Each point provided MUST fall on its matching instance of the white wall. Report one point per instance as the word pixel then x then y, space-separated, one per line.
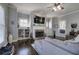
pixel 13 22
pixel 6 23
pixel 55 27
pixel 71 18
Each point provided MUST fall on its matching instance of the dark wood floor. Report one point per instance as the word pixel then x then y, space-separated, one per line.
pixel 21 48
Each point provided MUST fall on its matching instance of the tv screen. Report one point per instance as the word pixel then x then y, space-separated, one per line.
pixel 39 20
pixel 62 31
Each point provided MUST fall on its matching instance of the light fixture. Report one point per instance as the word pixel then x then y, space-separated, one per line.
pixel 58 6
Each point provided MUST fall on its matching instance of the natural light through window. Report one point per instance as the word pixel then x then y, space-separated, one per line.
pixel 23 23
pixel 2 25
pixel 49 23
pixel 62 24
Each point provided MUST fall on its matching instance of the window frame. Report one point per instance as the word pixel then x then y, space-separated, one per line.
pixel 2 24
pixel 23 19
pixel 62 24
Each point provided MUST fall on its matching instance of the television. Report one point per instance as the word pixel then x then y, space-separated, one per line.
pixel 39 20
pixel 62 31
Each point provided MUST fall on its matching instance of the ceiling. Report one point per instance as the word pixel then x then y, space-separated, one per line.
pixel 42 8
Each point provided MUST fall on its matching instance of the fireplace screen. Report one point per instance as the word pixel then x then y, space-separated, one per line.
pixel 39 33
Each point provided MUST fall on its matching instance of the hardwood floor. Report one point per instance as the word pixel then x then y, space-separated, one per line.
pixel 25 50
pixel 22 48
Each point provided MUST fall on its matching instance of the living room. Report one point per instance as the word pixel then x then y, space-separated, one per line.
pixel 39 26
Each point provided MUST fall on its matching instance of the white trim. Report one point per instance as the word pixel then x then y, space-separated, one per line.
pixel 14 40
pixel 66 14
pixel 70 13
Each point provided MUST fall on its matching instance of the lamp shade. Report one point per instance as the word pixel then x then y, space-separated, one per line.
pixel 73 25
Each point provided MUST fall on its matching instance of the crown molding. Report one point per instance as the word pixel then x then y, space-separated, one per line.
pixel 69 13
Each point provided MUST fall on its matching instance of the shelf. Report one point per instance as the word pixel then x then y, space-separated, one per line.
pixel 23 33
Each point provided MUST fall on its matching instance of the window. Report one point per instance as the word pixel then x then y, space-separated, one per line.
pixel 2 25
pixel 49 23
pixel 62 24
pixel 23 22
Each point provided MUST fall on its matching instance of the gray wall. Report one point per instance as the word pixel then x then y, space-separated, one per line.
pixel 71 18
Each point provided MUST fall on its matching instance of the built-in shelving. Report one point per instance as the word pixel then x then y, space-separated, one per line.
pixel 23 33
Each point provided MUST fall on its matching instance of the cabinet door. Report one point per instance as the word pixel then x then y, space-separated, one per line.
pixel 20 32
pixel 26 32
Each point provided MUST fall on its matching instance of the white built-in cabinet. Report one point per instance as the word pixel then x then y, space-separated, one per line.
pixel 23 33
